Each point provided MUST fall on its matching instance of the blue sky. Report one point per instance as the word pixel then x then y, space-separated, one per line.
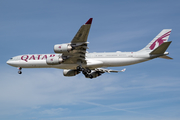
pixel 149 90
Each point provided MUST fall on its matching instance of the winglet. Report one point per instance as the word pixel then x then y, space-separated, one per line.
pixel 89 21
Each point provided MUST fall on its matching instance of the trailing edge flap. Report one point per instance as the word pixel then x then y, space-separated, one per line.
pixel 161 49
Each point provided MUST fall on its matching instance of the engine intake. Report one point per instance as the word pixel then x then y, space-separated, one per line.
pixel 54 60
pixel 62 48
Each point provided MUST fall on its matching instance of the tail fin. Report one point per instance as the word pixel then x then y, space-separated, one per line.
pixel 158 40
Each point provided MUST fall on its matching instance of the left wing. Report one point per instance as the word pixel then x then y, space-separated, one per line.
pixel 107 70
pixel 79 44
pixel 99 71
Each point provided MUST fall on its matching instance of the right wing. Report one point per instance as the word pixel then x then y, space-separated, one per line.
pixel 82 34
pixel 79 44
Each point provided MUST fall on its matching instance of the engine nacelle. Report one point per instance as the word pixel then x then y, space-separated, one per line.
pixel 54 60
pixel 95 74
pixel 70 72
pixel 62 48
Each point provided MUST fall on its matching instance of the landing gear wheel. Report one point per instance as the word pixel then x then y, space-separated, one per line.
pixel 20 72
pixel 87 75
pixel 83 70
pixel 79 68
pixel 88 70
pixel 90 76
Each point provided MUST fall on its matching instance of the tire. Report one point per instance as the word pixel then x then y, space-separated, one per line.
pixel 20 72
pixel 82 69
pixel 90 76
pixel 84 72
pixel 88 70
pixel 79 68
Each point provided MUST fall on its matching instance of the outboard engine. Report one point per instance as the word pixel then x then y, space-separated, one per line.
pixel 62 48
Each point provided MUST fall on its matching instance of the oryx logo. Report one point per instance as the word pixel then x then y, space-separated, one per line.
pixel 160 40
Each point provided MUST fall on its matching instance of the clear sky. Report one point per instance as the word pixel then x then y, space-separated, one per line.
pixel 146 91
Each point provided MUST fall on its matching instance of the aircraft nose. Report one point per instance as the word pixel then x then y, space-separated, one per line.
pixel 11 63
pixel 8 62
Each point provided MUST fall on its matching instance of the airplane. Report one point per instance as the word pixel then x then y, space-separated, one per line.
pixel 74 58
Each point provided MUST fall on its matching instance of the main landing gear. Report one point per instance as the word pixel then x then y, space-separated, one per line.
pixel 86 72
pixel 19 72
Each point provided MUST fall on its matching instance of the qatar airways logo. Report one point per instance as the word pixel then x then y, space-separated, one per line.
pixel 160 40
pixel 35 57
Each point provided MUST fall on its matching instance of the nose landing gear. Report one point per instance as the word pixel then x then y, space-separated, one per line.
pixel 20 72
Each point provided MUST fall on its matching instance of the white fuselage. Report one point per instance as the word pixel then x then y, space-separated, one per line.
pixel 94 60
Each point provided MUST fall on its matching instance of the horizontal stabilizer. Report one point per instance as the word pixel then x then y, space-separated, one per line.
pixel 166 57
pixel 161 49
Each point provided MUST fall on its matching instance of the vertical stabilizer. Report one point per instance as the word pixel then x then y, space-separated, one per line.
pixel 158 40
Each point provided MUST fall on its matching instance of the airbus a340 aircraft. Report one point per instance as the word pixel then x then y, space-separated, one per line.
pixel 73 57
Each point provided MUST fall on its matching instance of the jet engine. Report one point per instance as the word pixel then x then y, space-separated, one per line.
pixel 94 75
pixel 54 60
pixel 62 48
pixel 70 72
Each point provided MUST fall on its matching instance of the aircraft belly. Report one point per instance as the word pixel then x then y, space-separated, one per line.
pixel 65 66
